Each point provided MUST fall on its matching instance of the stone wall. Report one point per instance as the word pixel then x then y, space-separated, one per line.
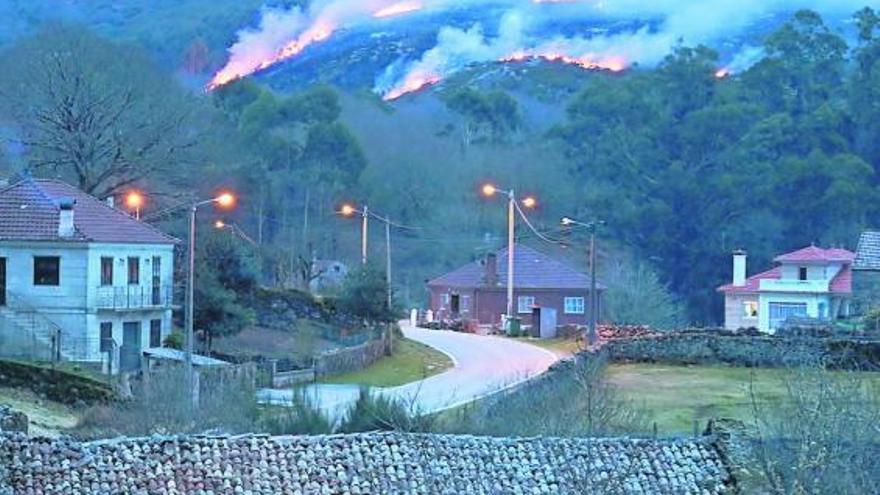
pixel 56 385
pixel 349 359
pixel 745 350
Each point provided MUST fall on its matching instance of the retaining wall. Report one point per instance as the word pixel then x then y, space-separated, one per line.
pixel 349 359
pixel 55 385
pixel 744 350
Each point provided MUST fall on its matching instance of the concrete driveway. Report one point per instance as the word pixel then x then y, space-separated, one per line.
pixel 483 365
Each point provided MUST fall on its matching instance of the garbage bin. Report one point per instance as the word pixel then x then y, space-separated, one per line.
pixel 514 326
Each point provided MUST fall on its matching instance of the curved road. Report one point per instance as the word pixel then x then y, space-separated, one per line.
pixel 483 365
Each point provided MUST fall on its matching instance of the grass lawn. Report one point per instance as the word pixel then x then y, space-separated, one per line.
pixel 560 346
pixel 410 361
pixel 47 418
pixel 674 396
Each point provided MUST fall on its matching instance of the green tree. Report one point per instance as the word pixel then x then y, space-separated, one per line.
pixel 365 295
pixel 226 277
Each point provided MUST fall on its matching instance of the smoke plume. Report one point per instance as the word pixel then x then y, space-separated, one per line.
pixel 527 29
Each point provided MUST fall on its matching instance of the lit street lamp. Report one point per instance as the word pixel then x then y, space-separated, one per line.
pixel 134 200
pixel 591 227
pixel 489 190
pixel 349 211
pixel 235 230
pixel 226 201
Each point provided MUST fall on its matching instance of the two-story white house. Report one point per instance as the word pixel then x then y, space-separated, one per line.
pixel 80 280
pixel 810 282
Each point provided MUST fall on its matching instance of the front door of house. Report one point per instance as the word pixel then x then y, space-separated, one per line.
pixel 2 281
pixel 130 353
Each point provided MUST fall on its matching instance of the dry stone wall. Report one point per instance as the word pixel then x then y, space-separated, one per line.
pixel 375 463
pixel 745 350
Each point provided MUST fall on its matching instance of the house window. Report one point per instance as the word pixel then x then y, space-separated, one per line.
pixel 781 311
pixel 802 273
pixel 574 305
pixel 47 270
pixel 465 304
pixel 106 336
pixel 444 300
pixel 155 333
pixel 524 304
pixel 106 271
pixel 750 309
pixel 134 270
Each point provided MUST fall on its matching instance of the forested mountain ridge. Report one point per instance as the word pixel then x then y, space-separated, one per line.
pixel 683 166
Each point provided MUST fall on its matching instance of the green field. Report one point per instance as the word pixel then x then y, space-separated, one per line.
pixel 410 361
pixel 675 396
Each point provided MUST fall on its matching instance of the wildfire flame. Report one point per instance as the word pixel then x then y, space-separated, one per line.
pixel 399 8
pixel 588 62
pixel 722 73
pixel 319 31
pixel 412 83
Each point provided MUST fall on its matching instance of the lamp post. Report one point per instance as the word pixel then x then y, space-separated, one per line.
pixel 591 227
pixel 365 213
pixel 490 190
pixel 224 200
pixel 235 230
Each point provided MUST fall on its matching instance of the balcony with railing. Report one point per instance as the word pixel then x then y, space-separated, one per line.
pixel 794 285
pixel 134 297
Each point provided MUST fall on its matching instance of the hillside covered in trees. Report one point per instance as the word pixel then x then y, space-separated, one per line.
pixel 684 166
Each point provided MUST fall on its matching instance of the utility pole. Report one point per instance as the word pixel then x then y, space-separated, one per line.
pixel 388 280
pixel 190 290
pixel 593 298
pixel 511 225
pixel 365 215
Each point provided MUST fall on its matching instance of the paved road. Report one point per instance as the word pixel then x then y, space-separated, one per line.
pixel 482 365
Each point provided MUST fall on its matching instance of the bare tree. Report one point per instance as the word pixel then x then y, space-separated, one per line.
pixel 93 112
pixel 822 437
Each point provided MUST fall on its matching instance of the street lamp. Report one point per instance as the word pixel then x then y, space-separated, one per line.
pixel 591 227
pixel 224 200
pixel 490 190
pixel 235 230
pixel 134 200
pixel 348 210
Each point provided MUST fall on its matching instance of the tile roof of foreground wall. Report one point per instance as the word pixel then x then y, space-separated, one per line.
pixel 365 463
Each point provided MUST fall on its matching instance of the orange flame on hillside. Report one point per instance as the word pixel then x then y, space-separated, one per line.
pixel 399 8
pixel 588 62
pixel 413 82
pixel 319 31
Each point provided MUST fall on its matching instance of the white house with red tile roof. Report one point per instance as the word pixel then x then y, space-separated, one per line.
pixel 811 282
pixel 80 280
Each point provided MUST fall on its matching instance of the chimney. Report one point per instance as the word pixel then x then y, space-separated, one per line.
pixel 739 268
pixel 491 269
pixel 111 201
pixel 65 217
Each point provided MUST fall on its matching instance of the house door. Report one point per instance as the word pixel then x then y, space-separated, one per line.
pixel 2 281
pixel 130 353
pixel 455 304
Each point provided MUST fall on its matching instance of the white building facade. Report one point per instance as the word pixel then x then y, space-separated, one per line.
pixel 81 281
pixel 810 283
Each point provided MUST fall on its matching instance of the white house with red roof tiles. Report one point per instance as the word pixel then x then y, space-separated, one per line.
pixel 80 280
pixel 811 282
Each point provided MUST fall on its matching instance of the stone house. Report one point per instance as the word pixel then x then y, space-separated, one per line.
pixel 866 273
pixel 80 280
pixel 478 290
pixel 811 282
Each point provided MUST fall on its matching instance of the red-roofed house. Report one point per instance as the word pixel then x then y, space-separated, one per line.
pixel 478 290
pixel 80 280
pixel 810 282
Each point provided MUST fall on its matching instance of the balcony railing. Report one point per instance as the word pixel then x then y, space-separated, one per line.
pixel 791 285
pixel 134 297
